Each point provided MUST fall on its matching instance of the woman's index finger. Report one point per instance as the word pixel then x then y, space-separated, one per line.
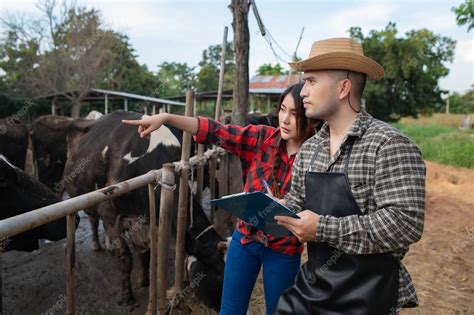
pixel 136 122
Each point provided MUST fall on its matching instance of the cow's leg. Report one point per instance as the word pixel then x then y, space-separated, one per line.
pixel 114 230
pixel 126 265
pixel 143 275
pixel 94 221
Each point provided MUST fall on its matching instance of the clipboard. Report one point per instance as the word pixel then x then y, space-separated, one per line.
pixel 257 209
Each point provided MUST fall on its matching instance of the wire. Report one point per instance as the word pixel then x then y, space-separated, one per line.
pixel 276 43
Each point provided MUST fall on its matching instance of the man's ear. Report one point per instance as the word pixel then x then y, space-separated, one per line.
pixel 345 86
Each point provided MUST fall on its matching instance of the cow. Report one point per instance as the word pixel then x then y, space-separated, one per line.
pixel 14 141
pixel 206 260
pixel 49 135
pixel 20 193
pixel 114 152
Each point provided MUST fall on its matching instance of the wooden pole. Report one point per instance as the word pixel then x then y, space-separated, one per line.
pixel 164 234
pixel 151 310
pixel 200 175
pixel 183 202
pixel 220 215
pixel 212 184
pixel 53 107
pixel 240 98
pixel 71 257
pixel 106 105
pixel 221 75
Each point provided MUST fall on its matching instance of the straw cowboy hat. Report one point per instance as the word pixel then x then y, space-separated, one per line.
pixel 339 54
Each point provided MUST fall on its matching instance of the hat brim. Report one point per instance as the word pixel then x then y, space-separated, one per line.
pixel 341 61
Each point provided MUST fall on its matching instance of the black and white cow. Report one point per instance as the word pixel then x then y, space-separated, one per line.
pixel 205 261
pixel 49 137
pixel 114 152
pixel 20 193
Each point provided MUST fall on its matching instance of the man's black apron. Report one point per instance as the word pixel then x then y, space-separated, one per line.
pixel 333 282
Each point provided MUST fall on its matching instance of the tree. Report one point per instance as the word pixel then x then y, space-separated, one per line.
pixel 268 69
pixel 465 14
pixel 461 104
pixel 413 66
pixel 65 53
pixel 240 25
pixel 209 67
pixel 175 78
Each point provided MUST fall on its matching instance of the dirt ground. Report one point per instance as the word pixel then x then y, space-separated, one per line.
pixel 441 264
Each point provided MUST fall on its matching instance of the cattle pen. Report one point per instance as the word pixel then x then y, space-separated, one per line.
pixel 166 178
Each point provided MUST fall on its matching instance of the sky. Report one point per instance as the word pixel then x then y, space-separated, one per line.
pixel 166 30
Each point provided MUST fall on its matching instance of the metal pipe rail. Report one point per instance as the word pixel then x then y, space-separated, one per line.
pixel 27 221
pixel 68 208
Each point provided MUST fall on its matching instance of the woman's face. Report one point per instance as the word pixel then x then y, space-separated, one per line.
pixel 287 118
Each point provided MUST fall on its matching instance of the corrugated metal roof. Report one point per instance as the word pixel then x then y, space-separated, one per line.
pixel 272 83
pixel 93 94
pixel 267 91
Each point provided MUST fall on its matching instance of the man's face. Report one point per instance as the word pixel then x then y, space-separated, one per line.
pixel 319 94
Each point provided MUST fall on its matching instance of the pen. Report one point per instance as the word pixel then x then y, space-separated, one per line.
pixel 265 184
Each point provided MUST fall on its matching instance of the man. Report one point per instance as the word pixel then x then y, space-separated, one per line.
pixel 362 185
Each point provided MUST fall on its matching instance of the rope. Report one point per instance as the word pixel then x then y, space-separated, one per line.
pixel 165 186
pixel 205 231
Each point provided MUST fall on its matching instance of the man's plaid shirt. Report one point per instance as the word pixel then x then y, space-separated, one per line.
pixel 256 146
pixel 387 178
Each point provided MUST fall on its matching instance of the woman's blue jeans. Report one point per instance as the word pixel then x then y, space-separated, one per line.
pixel 241 270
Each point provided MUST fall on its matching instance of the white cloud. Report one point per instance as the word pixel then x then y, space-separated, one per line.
pixel 465 51
pixel 367 15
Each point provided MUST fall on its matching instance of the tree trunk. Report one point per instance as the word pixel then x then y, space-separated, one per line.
pixel 240 10
pixel 240 104
pixel 76 109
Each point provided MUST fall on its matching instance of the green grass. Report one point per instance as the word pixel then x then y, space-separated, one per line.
pixel 442 144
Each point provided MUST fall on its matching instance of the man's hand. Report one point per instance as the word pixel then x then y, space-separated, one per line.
pixel 305 228
pixel 147 125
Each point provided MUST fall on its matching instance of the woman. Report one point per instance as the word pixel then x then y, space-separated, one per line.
pixel 266 153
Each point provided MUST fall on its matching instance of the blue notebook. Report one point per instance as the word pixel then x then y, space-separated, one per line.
pixel 257 209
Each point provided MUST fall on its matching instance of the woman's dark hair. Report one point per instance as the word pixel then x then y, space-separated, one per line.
pixel 306 128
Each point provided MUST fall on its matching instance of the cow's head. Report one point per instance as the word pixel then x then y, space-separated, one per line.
pixel 20 193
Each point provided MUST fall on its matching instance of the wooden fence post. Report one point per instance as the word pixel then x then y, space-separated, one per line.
pixel 164 233
pixel 151 309
pixel 183 202
pixel 71 261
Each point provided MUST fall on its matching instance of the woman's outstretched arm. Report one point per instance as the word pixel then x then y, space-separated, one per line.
pixel 148 124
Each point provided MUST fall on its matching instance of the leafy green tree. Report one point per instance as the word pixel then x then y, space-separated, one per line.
pixel 175 78
pixel 462 104
pixel 209 67
pixel 268 69
pixel 68 51
pixel 413 66
pixel 465 14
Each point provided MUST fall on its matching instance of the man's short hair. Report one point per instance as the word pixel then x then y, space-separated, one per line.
pixel 358 80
